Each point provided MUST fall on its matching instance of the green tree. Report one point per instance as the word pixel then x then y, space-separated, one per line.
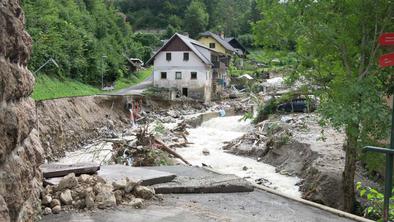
pixel 196 18
pixel 84 37
pixel 338 52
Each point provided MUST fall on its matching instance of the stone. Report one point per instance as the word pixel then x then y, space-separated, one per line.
pixel 47 211
pixel 136 203
pixel 79 204
pixel 119 184
pixel 56 209
pixel 86 179
pixel 46 200
pixel 89 200
pixel 66 197
pixel 245 168
pixel 130 185
pixel 205 151
pixel 144 192
pixel 105 197
pixel 68 182
pixel 55 202
pixel 119 196
pixel 99 179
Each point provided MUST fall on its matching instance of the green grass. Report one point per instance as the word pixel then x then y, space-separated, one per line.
pixel 134 79
pixel 51 88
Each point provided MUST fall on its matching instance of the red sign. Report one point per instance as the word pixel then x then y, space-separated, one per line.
pixel 387 39
pixel 386 60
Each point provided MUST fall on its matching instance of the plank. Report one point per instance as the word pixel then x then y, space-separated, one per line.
pixel 60 170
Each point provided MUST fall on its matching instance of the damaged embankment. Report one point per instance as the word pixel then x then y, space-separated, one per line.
pixel 69 123
pixel 66 124
pixel 295 146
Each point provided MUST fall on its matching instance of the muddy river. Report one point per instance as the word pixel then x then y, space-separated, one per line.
pixel 211 135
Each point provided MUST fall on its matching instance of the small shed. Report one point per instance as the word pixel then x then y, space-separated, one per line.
pixel 135 64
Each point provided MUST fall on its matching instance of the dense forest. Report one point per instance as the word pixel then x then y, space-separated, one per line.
pixel 234 17
pixel 90 37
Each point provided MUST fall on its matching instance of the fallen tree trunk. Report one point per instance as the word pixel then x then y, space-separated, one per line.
pixel 164 147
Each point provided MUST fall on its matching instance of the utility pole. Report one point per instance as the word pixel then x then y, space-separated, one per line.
pixel 102 71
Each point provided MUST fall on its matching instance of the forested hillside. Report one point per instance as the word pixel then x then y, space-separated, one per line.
pixel 231 16
pixel 85 37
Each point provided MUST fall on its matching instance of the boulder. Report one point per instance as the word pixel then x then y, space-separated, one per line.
pixel 66 197
pixel 130 185
pixel 85 179
pixel 136 203
pixel 47 211
pixel 119 184
pixel 68 182
pixel 55 202
pixel 119 196
pixel 56 209
pixel 105 197
pixel 89 200
pixel 46 200
pixel 144 192
pixel 205 151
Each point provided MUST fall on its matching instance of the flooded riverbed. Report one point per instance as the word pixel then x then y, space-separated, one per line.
pixel 211 135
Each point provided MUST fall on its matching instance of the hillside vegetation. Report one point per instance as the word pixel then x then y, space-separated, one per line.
pixel 86 38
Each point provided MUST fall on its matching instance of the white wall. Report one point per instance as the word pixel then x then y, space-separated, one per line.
pixel 194 64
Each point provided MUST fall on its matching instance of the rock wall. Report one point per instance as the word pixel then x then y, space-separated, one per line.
pixel 20 149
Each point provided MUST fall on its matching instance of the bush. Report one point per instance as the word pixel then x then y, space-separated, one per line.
pixel 266 110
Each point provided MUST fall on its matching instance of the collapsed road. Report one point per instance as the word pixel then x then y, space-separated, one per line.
pixel 257 205
pixel 205 142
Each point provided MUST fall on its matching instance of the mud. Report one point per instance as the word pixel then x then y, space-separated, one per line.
pixel 296 146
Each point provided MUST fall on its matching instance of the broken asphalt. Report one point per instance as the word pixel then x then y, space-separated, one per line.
pixel 257 205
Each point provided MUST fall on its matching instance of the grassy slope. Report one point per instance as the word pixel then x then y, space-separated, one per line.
pixel 51 88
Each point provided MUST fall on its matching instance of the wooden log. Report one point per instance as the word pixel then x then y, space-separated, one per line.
pixel 169 150
pixel 61 170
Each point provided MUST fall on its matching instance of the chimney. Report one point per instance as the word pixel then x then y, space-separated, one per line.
pixel 222 34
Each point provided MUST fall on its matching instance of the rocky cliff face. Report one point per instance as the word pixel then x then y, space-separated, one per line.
pixel 20 149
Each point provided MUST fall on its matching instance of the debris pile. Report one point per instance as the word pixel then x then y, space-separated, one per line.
pixel 148 149
pixel 90 192
pixel 265 137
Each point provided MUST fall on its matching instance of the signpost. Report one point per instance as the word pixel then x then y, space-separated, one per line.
pixel 386 60
pixel 387 39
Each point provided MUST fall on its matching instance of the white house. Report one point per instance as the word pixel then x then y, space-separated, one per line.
pixel 187 68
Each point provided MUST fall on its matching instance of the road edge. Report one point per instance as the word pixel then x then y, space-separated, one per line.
pixel 306 202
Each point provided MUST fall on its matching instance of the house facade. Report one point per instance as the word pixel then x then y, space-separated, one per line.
pixel 185 67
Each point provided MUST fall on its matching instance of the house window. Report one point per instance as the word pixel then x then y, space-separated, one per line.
pixel 212 45
pixel 168 56
pixel 185 56
pixel 194 75
pixel 163 75
pixel 178 75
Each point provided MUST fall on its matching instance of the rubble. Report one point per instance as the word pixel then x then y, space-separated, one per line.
pixel 88 192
